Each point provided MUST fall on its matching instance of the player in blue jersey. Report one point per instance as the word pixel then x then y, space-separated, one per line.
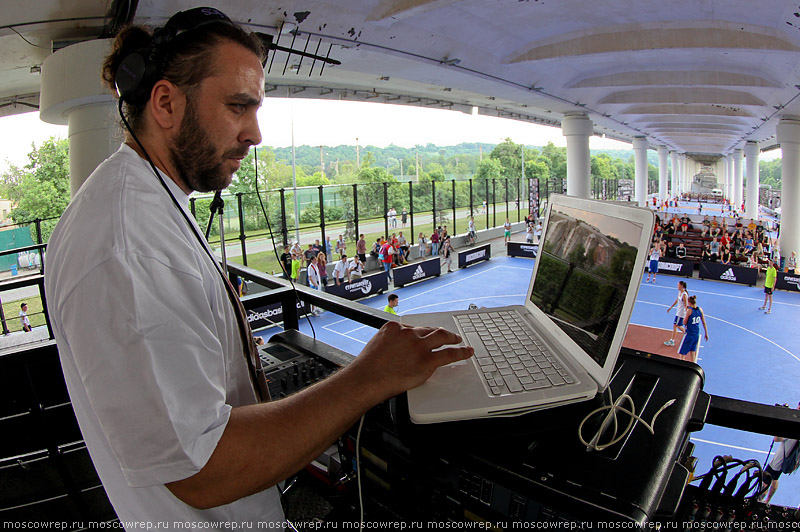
pixel 691 340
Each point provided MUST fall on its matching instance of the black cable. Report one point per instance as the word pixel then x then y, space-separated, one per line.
pixel 26 40
pixel 275 247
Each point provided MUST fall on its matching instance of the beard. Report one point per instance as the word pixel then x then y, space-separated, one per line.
pixel 195 155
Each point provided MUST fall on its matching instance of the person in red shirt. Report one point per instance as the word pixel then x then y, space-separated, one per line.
pixel 435 243
pixel 385 256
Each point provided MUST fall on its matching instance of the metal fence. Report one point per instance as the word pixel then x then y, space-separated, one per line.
pixel 306 214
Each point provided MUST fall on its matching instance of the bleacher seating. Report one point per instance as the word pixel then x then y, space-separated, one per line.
pixel 693 239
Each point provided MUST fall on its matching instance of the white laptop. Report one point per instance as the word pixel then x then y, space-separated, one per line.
pixel 561 346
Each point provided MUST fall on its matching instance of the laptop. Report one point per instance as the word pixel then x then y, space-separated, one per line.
pixel 561 346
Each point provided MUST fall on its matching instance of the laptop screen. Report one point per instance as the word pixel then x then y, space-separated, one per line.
pixel 585 266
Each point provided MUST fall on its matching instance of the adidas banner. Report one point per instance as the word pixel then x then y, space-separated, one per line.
pixel 474 255
pixel 788 281
pixel 260 315
pixel 727 272
pixel 671 266
pixel 359 288
pixel 417 272
pixel 522 249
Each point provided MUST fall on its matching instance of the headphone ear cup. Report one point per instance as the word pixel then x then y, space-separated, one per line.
pixel 135 77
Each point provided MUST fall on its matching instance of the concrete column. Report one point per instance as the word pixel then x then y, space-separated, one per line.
pixel 737 180
pixel 788 136
pixel 674 188
pixel 729 178
pixel 640 146
pixel 688 174
pixel 72 95
pixel 578 128
pixel 724 185
pixel 682 178
pixel 751 153
pixel 662 173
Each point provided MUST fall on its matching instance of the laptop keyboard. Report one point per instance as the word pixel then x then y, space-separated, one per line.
pixel 511 357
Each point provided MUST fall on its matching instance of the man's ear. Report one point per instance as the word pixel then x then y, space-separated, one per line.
pixel 167 104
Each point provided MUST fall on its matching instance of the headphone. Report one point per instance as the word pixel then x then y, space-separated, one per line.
pixel 140 70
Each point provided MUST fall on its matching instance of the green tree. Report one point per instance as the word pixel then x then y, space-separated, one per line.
pixel 40 190
pixel 510 157
pixel 556 160
pixel 769 173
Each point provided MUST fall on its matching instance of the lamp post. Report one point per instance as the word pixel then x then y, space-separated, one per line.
pixel 294 185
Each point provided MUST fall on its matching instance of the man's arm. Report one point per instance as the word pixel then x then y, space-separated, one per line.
pixel 266 443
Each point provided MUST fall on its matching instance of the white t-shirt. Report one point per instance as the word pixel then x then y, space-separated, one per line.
pixel 680 309
pixel 148 341
pixel 781 453
pixel 339 270
pixel 354 268
pixel 23 318
pixel 313 275
pixel 655 253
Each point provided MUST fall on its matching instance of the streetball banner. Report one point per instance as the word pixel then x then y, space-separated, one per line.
pixel 671 266
pixel 417 272
pixel 474 255
pixel 788 281
pixel 522 249
pixel 360 288
pixel 260 315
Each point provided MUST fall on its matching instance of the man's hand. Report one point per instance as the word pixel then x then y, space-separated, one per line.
pixel 400 357
pixel 267 442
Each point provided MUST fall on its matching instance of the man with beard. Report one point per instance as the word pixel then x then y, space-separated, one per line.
pixel 157 373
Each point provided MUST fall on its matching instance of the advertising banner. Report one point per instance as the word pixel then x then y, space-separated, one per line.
pixel 260 315
pixel 417 272
pixel 788 281
pixel 474 255
pixel 675 266
pixel 727 272
pixel 533 195
pixel 522 249
pixel 360 288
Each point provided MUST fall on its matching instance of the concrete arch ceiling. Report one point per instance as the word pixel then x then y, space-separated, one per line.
pixel 696 76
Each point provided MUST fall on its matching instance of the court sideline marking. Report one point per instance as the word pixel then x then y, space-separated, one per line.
pixel 757 300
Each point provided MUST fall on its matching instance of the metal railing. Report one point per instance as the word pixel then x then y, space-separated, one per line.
pixel 721 411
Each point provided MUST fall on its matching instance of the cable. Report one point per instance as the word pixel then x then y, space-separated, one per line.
pixel 26 40
pixel 594 444
pixel 358 470
pixel 752 483
pixel 274 246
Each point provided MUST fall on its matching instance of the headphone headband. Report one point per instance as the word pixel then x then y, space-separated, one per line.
pixel 140 70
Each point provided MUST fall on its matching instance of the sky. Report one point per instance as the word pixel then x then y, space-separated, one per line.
pixel 333 123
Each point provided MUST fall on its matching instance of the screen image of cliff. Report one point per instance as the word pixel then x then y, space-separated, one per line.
pixel 587 261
